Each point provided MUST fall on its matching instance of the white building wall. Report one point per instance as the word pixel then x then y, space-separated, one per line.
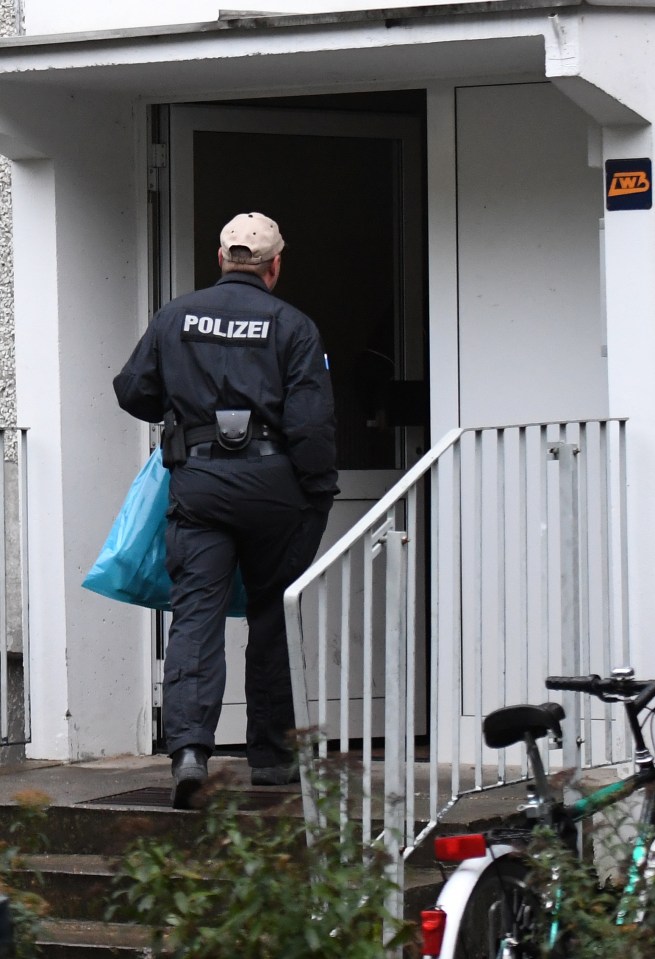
pixel 441 191
pixel 37 361
pixel 99 310
pixel 613 52
pixel 629 255
pixel 71 16
pixel 77 303
pixel 530 320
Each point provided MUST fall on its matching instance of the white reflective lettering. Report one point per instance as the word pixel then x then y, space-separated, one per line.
pixel 228 329
pixel 240 331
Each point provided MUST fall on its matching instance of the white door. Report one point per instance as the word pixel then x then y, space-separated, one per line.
pixel 354 179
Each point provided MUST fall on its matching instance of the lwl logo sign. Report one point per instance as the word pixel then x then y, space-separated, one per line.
pixel 628 184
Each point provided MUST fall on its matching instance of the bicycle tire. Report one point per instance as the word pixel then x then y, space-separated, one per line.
pixel 501 904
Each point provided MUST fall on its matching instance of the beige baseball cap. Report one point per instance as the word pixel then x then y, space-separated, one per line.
pixel 257 232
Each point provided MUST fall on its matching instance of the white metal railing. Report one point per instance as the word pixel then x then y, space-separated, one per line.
pixel 14 601
pixel 499 558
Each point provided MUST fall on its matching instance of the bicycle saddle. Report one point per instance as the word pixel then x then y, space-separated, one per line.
pixel 508 725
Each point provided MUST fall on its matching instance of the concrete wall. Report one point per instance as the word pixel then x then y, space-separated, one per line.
pixel 613 52
pixel 13 584
pixel 77 296
pixel 71 16
pixel 7 371
pixel 629 253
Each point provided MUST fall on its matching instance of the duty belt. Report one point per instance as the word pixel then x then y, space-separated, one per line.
pixel 254 448
pixel 207 434
pixel 235 434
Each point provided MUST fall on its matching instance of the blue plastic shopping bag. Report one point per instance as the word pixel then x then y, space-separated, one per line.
pixel 131 566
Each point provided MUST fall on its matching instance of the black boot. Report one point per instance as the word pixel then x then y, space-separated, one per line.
pixel 189 769
pixel 275 775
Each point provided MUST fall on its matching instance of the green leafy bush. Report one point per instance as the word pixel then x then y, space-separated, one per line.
pixel 587 906
pixel 25 836
pixel 253 887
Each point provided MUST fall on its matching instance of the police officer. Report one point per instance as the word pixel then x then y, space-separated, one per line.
pixel 240 379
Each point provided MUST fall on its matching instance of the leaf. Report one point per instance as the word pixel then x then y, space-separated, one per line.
pixel 181 901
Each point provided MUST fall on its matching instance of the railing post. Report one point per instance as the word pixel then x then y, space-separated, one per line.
pixel 25 583
pixel 4 638
pixel 15 724
pixel 566 454
pixel 395 718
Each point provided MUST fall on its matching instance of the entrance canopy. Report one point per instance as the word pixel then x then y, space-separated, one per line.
pixel 318 52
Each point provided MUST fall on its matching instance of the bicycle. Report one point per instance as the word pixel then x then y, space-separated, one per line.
pixel 487 908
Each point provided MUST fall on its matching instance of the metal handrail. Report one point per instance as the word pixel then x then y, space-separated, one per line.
pixel 377 514
pixel 566 519
pixel 15 723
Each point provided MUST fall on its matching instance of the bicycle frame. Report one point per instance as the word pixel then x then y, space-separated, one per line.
pixel 541 805
pixel 642 862
pixel 588 806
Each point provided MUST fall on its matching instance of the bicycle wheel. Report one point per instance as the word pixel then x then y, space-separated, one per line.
pixel 501 911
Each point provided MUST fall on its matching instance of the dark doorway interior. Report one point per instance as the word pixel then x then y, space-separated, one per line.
pixel 339 206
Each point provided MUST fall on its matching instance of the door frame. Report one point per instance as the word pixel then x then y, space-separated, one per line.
pixel 175 268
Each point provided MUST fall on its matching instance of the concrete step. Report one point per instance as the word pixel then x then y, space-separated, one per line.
pixel 74 886
pixel 84 844
pixel 69 939
pixel 84 841
pixel 99 830
pixel 422 886
pixel 100 808
pixel 78 889
pixel 110 830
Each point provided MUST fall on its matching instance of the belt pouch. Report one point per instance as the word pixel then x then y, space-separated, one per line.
pixel 172 442
pixel 233 428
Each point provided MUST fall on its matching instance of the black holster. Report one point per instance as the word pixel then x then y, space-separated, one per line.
pixel 173 446
pixel 233 429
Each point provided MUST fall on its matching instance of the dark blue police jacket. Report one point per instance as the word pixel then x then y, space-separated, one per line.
pixel 236 346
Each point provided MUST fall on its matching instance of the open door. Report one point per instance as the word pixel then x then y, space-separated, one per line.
pixel 345 189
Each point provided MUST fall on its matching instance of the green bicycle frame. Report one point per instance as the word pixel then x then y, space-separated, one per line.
pixel 595 802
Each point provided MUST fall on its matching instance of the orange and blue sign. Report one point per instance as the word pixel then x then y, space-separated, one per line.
pixel 628 184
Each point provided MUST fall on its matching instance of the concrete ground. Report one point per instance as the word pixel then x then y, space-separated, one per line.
pixel 70 784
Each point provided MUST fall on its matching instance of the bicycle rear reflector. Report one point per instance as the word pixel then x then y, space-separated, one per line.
pixel 458 848
pixel 433 924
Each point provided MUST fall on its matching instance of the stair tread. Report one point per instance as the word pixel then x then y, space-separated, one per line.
pixel 85 864
pixel 85 932
pixel 421 876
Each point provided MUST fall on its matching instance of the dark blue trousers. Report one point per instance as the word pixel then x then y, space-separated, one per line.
pixel 248 510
